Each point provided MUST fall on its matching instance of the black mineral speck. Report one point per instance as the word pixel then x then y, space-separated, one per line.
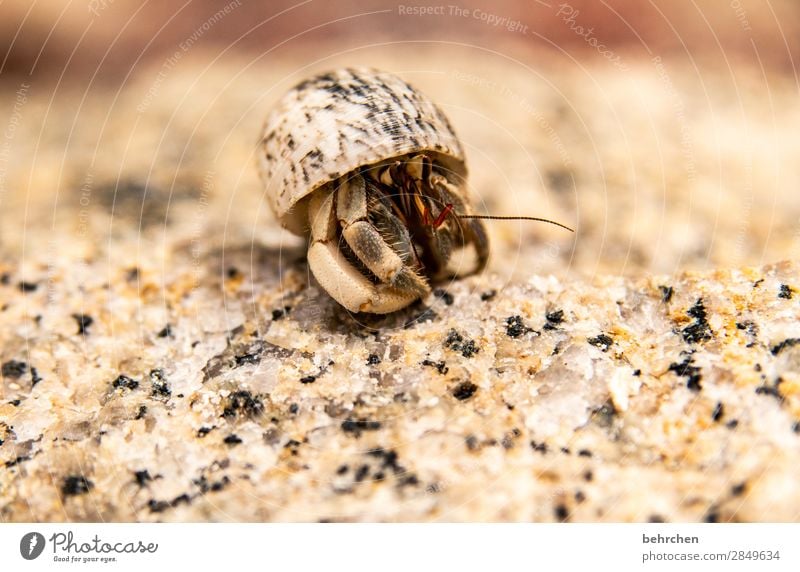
pixel 666 293
pixel 444 296
pixel 247 359
pixel 408 480
pixel 373 359
pixel 787 343
pixel 27 286
pixel 292 445
pixel 539 447
pixel 732 424
pixel 160 386
pixel 361 473
pixel 203 431
pixel 561 512
pixel 125 382
pixel 796 427
pixel 232 439
pixel 35 377
pixel 162 505
pixel 785 292
pixel 584 453
pixel 243 403
pixel 486 296
pixel 157 506
pixel 294 408
pixel 553 318
pixel 358 426
pixel 142 411
pixel 699 330
pixel 751 329
pixel 83 321
pixel 14 369
pixel 233 272
pixel 166 332
pixel 602 341
pixel 719 411
pixel 342 469
pixel 737 490
pixel 308 379
pixel 76 485
pixel 280 313
pixel 142 477
pixel 465 390
pixel 471 442
pixel 689 371
pixel 458 343
pixel 440 366
pixel 16 460
pixel 515 327
pixel 206 486
pixel 771 390
pixel 389 457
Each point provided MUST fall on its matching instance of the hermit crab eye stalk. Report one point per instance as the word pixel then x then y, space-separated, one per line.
pixel 358 160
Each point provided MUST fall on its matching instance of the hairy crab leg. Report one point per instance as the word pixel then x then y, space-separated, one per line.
pixel 332 270
pixel 370 246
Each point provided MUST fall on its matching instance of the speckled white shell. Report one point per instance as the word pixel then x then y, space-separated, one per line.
pixel 336 122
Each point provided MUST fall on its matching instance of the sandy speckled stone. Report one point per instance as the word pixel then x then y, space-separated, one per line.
pixel 637 371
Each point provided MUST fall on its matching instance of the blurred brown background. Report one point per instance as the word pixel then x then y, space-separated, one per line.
pixel 72 40
pixel 664 131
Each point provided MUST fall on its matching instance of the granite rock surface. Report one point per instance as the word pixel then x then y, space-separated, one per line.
pixel 166 355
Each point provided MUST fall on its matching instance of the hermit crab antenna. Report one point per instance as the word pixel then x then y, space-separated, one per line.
pixel 533 218
pixel 448 210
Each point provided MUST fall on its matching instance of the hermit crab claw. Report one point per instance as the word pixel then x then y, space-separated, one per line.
pixel 350 257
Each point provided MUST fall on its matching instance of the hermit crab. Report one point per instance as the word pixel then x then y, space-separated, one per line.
pixel 371 170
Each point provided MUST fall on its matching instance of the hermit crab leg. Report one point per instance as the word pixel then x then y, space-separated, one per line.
pixel 370 246
pixel 471 230
pixel 331 269
pixel 334 272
